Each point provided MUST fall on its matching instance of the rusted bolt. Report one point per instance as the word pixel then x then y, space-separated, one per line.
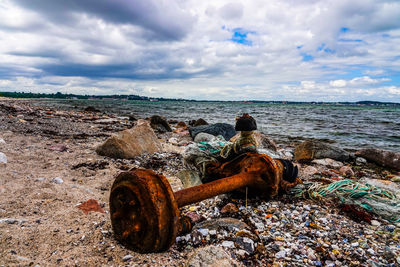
pixel 145 212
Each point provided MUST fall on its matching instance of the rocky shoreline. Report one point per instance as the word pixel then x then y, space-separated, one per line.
pixel 49 167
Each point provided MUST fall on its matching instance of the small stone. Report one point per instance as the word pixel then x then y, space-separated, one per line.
pixel 229 208
pixel 58 147
pixel 21 258
pixel 308 171
pixel 281 254
pixel 213 232
pixel 228 244
pixel 192 208
pixel 375 223
pixel 3 158
pixel 390 228
pixel 355 244
pixel 194 217
pixel 2 141
pixel 389 254
pixel 245 243
pixel 396 179
pixel 57 180
pixel 260 227
pixel 328 162
pixel 69 231
pixel 90 205
pixel 202 231
pixel 210 256
pixel 347 171
pixel 311 254
pixel 242 252
pixel 360 161
pixel 371 251
pixel 127 257
pixel 9 220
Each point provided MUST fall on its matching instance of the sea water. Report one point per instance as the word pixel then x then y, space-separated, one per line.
pixel 347 126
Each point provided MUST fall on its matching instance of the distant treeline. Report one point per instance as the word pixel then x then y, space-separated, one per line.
pixel 59 95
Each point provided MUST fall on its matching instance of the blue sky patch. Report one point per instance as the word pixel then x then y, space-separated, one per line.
pixel 239 36
pixel 344 29
pixel 307 57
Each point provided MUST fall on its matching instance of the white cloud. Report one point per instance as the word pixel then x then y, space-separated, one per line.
pixel 294 50
pixel 338 83
pixel 366 80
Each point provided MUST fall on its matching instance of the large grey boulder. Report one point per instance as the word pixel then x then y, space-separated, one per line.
pixel 131 143
pixel 224 129
pixel 381 157
pixel 309 150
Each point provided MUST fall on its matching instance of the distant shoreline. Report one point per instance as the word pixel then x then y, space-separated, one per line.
pixel 60 96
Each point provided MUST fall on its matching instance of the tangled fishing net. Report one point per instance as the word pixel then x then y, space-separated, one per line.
pixel 384 203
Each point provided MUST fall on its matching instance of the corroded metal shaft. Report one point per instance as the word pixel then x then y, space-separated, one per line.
pixel 200 192
pixel 144 210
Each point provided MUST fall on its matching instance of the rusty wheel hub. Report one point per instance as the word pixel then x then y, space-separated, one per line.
pixel 144 213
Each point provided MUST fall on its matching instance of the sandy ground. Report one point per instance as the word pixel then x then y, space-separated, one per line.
pixel 44 225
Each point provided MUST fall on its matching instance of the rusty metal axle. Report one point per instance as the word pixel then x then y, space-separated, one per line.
pixel 145 212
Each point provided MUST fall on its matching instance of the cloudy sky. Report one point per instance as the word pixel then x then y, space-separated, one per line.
pixel 299 50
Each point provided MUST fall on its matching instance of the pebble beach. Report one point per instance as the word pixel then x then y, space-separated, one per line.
pixel 49 168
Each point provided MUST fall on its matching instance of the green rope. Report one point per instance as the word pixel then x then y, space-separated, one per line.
pixel 347 188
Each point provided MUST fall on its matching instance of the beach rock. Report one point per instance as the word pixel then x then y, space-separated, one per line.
pixel 309 150
pixel 57 180
pixel 381 157
pixel 229 208
pixel 347 171
pixel 159 124
pixel 2 141
pixel 127 257
pixel 189 178
pixel 181 124
pixel 385 184
pixel 90 205
pixel 198 122
pixel 245 243
pixel 194 217
pixel 130 143
pixel 395 179
pixel 203 137
pixel 58 147
pixel 3 158
pixel 229 223
pixel 328 163
pixel 224 129
pixel 263 141
pixel 308 171
pixel 210 256
pixel 228 244
pixel 91 109
pixel 107 121
pixel 360 161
